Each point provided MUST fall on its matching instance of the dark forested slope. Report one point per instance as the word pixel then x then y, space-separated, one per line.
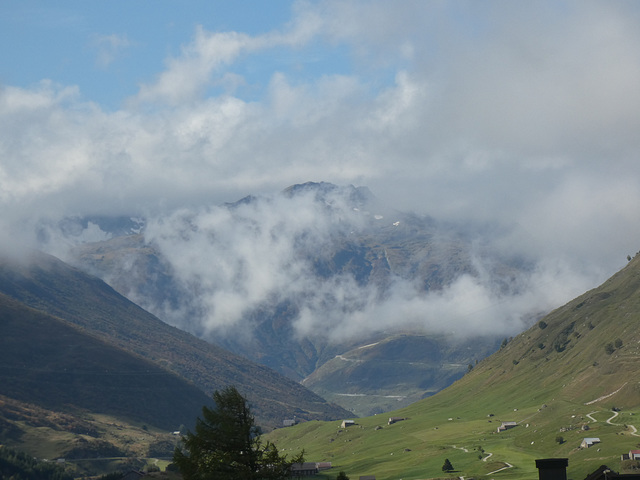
pixel 47 284
pixel 59 366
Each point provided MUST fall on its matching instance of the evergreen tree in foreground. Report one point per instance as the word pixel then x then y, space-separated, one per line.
pixel 226 445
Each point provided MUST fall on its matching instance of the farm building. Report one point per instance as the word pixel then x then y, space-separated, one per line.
pixel 506 426
pixel 588 442
pixel 393 420
pixel 289 422
pixel 304 469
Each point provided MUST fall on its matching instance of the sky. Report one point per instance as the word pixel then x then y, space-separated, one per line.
pixel 520 114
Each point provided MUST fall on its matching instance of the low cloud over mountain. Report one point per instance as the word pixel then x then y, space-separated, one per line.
pixel 337 264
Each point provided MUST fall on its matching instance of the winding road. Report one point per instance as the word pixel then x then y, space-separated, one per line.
pixel 634 430
pixel 507 465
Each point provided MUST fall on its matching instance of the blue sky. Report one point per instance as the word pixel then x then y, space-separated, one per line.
pixel 109 48
pixel 525 114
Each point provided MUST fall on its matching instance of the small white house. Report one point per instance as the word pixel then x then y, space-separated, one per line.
pixel 347 423
pixel 588 442
pixel 506 426
pixel 393 420
pixel 634 454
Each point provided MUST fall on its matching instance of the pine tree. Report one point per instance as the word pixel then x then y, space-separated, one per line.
pixel 447 467
pixel 226 445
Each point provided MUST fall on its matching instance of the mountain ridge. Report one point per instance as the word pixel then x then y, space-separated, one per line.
pixel 49 285
pixel 60 366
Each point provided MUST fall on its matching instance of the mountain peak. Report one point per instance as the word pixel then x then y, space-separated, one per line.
pixel 357 196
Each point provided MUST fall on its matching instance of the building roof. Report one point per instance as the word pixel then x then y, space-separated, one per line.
pixel 304 466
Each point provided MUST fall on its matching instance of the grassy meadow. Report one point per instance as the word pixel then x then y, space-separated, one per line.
pixel 417 447
pixel 570 376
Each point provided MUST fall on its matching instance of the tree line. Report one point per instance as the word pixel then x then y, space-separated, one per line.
pixel 20 466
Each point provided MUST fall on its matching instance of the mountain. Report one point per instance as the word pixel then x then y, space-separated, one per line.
pixel 55 364
pixel 395 371
pixel 569 377
pixel 291 270
pixel 67 394
pixel 54 288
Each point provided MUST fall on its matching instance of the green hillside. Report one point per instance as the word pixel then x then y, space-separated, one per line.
pixel 67 394
pixel 395 371
pixel 54 364
pixel 572 376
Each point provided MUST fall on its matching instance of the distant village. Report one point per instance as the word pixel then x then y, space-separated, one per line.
pixel 603 473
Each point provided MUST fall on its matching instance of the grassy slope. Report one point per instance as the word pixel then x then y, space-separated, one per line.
pixel 51 286
pixel 65 393
pixel 52 363
pixel 395 371
pixel 75 435
pixel 546 379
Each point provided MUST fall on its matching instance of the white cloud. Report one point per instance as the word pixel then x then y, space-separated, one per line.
pixel 229 264
pixel 239 261
pixel 109 48
pixel 187 76
pixel 518 113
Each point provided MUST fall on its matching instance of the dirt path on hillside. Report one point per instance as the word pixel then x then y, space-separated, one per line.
pixel 484 459
pixel 461 448
pixel 606 396
pixel 508 465
pixel 634 430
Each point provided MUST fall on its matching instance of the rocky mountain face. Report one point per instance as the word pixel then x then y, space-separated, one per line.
pixel 303 280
